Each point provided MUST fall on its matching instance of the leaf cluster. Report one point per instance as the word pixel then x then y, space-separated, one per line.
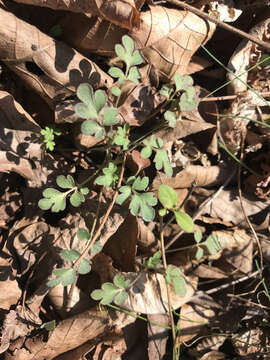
pixel 142 202
pixel 161 159
pixel 49 134
pixel 56 200
pixel 112 292
pixel 181 95
pixel 131 58
pixel 211 243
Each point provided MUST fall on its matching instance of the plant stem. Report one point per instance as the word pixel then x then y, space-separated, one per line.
pixel 167 286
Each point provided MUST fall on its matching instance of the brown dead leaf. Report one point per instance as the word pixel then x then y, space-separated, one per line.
pixel 147 241
pixel 122 245
pixel 88 36
pixel 245 55
pixel 63 68
pixel 237 254
pixel 10 292
pixel 10 198
pixel 68 334
pixel 193 318
pixel 123 13
pixel 139 103
pixel 20 147
pixel 201 176
pixel 227 207
pixel 168 38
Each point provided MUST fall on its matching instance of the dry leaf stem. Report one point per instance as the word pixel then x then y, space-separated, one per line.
pixel 219 23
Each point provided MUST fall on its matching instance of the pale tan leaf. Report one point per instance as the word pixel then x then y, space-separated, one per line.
pixel 149 296
pixel 168 38
pixel 157 335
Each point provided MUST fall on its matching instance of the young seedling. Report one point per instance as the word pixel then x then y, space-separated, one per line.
pixel 49 134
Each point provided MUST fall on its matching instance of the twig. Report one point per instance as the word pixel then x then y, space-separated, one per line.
pixel 242 205
pixel 219 23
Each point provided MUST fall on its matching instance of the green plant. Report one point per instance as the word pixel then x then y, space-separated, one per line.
pixel 101 119
pixel 49 134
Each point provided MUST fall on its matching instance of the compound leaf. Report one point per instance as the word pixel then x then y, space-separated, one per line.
pixel 170 116
pixel 55 198
pixel 182 82
pixel 142 204
pixel 66 277
pixel 140 184
pixel 189 100
pixel 125 194
pixel 134 75
pixel 110 177
pixel 212 244
pixel 121 137
pixel 120 297
pixel 120 282
pixel 199 253
pixel 91 127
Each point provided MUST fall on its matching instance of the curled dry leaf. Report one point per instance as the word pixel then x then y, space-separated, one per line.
pixel 124 13
pixel 227 207
pixel 243 58
pixel 237 254
pixel 63 68
pixel 168 38
pixel 148 295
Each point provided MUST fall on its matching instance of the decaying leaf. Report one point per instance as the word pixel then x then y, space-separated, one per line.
pixel 169 37
pixel 63 68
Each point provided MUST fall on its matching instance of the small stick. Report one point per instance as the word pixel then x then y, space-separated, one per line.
pixel 230 28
